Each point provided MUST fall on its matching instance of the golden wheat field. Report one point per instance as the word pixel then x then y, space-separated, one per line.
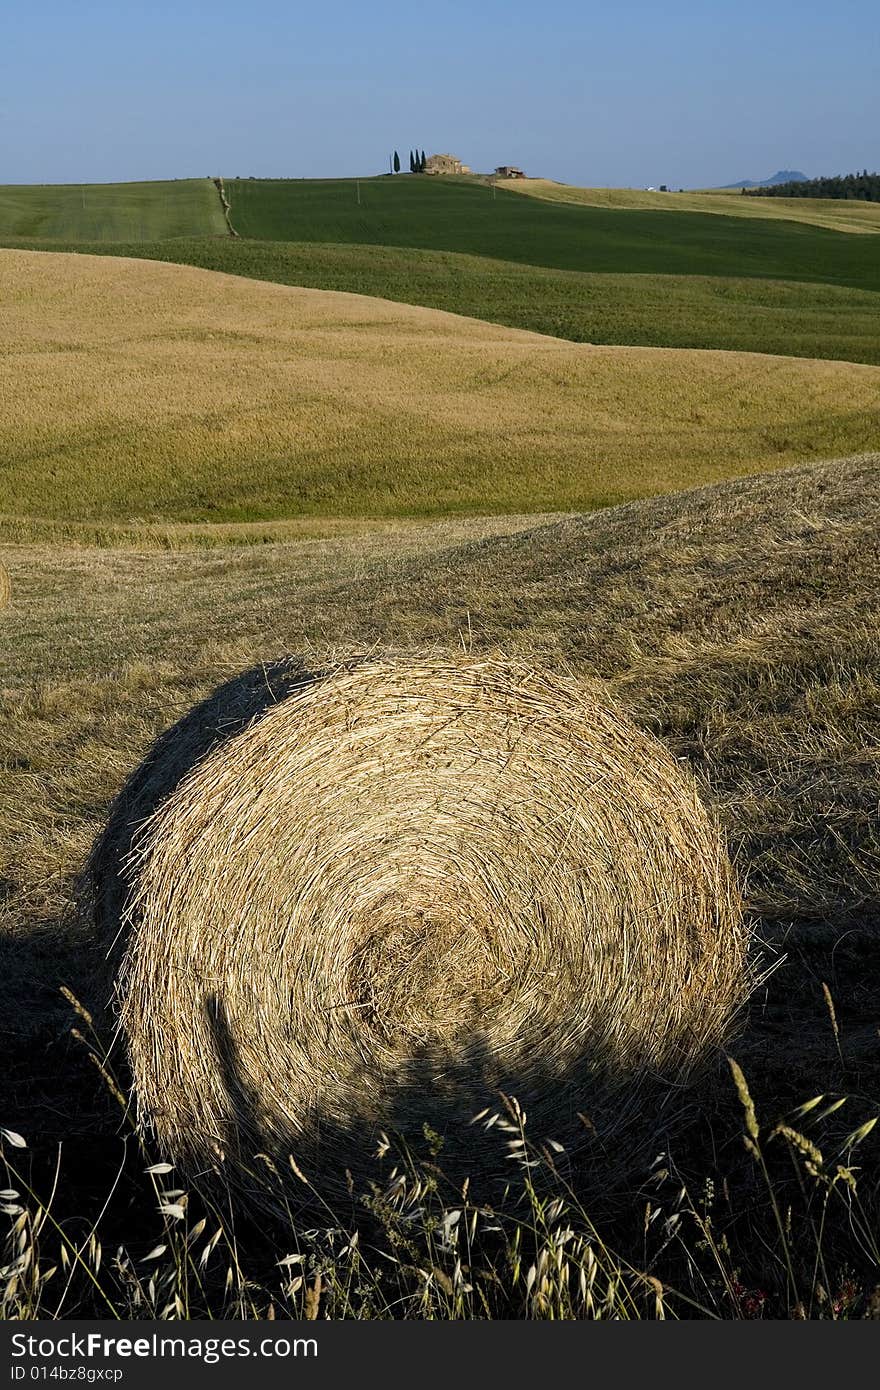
pixel 137 390
pixel 835 215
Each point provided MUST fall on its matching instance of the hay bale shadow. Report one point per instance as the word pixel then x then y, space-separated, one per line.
pixel 207 726
pixel 455 1116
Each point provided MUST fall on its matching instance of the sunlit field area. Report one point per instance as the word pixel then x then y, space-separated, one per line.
pixel 838 216
pixel 158 392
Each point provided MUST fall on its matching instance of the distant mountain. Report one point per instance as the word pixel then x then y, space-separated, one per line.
pixel 781 176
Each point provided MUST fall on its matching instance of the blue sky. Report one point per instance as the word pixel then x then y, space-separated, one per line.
pixel 628 93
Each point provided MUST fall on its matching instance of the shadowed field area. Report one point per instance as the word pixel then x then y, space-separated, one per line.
pixel 157 392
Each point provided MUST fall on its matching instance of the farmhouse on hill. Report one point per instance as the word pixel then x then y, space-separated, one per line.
pixel 445 164
pixel 508 171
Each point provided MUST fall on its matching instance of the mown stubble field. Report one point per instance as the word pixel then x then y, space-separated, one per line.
pixel 738 624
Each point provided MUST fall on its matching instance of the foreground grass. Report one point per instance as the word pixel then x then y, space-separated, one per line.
pixel 111 211
pixel 833 214
pixel 410 1244
pixel 164 393
pixel 690 311
pixel 450 215
pixel 738 624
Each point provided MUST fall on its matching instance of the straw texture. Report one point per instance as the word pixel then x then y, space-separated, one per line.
pixel 4 585
pixel 404 886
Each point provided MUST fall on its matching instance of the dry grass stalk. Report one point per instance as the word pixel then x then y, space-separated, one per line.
pixel 406 885
pixel 4 586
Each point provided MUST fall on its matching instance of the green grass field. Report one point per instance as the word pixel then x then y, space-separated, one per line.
pixel 111 211
pixel 445 215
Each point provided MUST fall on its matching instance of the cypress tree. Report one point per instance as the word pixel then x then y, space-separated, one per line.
pixel 396 162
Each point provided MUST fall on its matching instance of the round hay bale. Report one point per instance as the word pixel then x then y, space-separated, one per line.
pixel 5 588
pixel 404 887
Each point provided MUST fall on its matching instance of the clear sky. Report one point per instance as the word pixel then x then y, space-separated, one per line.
pixel 603 92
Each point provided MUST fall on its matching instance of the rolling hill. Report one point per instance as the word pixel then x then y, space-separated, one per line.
pixel 165 393
pixel 791 318
pixel 781 176
pixel 642 277
pixel 466 215
pixel 817 212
